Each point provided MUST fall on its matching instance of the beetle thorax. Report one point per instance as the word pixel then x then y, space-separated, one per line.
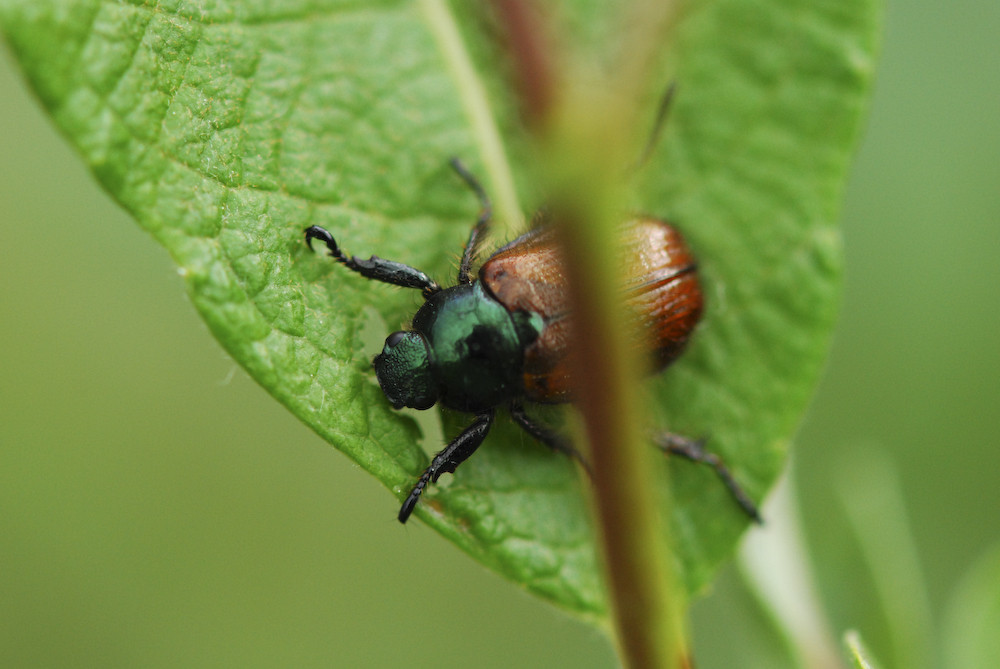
pixel 476 347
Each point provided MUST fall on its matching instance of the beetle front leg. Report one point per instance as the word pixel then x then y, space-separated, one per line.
pixel 694 450
pixel 448 460
pixel 379 269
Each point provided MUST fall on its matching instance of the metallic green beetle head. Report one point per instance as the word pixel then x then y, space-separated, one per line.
pixel 403 369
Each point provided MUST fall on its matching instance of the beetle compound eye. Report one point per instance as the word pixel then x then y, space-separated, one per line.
pixel 394 339
pixel 403 369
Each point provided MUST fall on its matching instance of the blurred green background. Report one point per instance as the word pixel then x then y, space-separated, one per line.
pixel 157 508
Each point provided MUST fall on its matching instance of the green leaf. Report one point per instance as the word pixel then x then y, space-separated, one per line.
pixel 227 128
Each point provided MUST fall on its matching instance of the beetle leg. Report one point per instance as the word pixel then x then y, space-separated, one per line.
pixel 448 460
pixel 694 450
pixel 379 269
pixel 547 436
pixel 478 230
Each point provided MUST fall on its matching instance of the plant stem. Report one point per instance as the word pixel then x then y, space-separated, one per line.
pixel 647 608
pixel 584 138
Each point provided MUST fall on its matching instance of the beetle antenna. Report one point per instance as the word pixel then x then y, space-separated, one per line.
pixel 378 269
pixel 479 229
pixel 661 118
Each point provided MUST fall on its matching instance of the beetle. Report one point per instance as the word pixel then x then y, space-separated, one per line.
pixel 501 338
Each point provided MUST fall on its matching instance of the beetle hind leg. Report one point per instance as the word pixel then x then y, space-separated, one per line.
pixel 694 450
pixel 448 460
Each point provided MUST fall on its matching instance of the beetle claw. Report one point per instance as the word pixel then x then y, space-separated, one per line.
pixel 316 232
